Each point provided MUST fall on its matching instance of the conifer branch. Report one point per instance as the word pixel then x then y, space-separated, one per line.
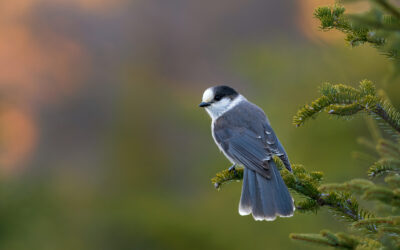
pixel 389 163
pixel 307 184
pixel 342 100
pixel 383 194
pixel 380 168
pixel 368 190
pixel 357 186
pixel 393 220
pixel 327 238
pixel 334 18
pixel 226 176
pixel 376 27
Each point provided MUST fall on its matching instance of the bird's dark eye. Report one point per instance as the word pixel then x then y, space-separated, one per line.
pixel 218 97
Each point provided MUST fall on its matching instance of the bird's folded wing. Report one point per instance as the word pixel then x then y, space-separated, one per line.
pixel 248 149
pixel 246 135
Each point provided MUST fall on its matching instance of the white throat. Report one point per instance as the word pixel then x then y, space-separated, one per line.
pixel 217 109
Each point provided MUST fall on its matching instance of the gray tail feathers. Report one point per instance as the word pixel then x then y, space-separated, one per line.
pixel 265 198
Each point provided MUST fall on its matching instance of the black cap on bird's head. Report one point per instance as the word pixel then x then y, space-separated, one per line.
pixel 217 93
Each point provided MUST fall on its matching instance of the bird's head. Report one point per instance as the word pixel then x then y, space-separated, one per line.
pixel 218 99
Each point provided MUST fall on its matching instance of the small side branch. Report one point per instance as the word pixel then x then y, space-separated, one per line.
pixel 391 118
pixel 226 176
pixel 328 238
pixel 338 240
pixel 342 100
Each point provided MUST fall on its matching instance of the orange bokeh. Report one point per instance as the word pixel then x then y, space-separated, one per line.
pixel 18 134
pixel 310 25
pixel 34 71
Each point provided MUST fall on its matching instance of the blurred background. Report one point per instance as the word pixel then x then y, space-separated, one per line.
pixel 103 146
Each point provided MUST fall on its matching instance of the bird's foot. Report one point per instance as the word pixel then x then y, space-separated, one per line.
pixel 232 168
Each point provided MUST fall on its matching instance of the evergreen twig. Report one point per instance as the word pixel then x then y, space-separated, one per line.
pixel 342 100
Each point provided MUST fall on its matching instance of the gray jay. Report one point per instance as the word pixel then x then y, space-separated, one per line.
pixel 243 133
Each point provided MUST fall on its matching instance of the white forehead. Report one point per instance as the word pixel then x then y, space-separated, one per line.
pixel 208 95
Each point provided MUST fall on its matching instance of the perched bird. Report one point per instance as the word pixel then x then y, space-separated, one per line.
pixel 243 133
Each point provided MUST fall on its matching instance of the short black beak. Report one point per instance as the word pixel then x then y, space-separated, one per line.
pixel 204 104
